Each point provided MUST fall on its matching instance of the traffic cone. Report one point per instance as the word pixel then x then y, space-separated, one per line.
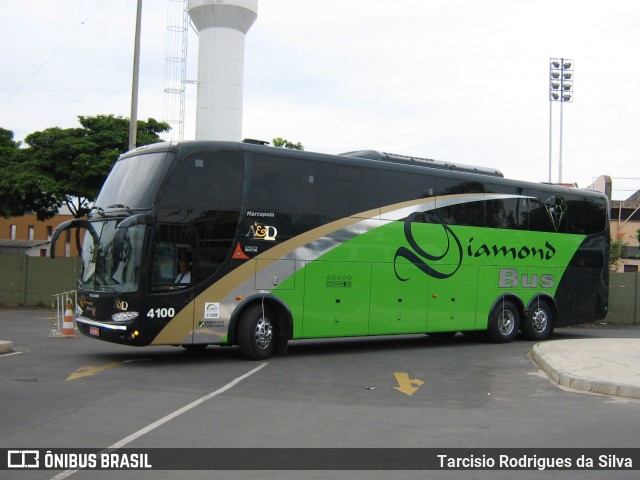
pixel 68 326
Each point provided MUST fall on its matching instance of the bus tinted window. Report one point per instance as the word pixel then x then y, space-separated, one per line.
pixel 396 187
pixel 467 213
pixel 134 181
pixel 548 214
pixel 568 214
pixel 348 190
pixel 282 185
pixel 286 190
pixel 307 192
pixel 215 233
pixel 173 244
pixel 586 216
pixel 454 209
pixel 507 213
pixel 207 180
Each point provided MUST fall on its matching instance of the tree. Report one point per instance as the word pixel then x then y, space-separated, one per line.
pixel 284 143
pixel 18 186
pixel 67 166
pixel 615 252
pixel 7 144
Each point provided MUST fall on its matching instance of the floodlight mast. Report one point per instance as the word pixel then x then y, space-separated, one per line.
pixel 560 90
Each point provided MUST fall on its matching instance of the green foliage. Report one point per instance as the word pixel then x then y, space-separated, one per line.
pixel 7 145
pixel 284 143
pixel 65 166
pixel 615 251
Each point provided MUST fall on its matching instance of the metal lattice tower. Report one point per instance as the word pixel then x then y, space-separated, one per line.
pixel 175 67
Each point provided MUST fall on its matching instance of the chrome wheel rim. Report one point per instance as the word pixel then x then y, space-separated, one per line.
pixel 506 322
pixel 264 333
pixel 539 320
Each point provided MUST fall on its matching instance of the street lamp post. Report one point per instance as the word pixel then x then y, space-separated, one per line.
pixel 133 121
pixel 560 90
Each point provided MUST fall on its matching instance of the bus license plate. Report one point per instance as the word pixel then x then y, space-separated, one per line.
pixel 95 331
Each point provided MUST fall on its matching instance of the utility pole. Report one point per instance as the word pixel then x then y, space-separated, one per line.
pixel 133 121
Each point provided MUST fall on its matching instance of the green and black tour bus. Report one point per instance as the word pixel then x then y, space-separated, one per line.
pixel 237 243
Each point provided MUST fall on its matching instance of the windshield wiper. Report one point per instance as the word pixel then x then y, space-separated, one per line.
pixel 100 210
pixel 122 206
pixel 74 223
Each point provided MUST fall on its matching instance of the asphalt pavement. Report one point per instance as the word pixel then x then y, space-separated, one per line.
pixel 607 366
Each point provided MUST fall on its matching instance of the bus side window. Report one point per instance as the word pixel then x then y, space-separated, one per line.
pixel 543 219
pixel 172 244
pixel 586 215
pixel 215 233
pixel 509 213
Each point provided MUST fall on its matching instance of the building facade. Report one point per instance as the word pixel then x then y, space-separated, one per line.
pixel 625 223
pixel 27 235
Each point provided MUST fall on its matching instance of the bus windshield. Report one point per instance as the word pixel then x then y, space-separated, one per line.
pixel 111 261
pixel 134 181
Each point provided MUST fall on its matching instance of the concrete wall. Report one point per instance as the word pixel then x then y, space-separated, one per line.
pixel 31 281
pixel 624 298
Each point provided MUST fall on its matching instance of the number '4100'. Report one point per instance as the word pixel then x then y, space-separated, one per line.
pixel 161 312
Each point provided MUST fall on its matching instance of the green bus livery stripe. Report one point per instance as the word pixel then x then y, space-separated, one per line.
pixel 378 236
pixel 319 241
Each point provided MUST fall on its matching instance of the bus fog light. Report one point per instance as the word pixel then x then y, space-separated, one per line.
pixel 124 316
pixel 133 335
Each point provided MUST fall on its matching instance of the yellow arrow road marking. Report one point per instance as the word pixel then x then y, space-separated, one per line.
pixel 88 371
pixel 407 385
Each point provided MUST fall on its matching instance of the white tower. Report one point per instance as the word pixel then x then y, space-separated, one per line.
pixel 222 26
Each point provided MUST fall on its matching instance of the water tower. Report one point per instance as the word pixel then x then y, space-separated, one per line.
pixel 222 26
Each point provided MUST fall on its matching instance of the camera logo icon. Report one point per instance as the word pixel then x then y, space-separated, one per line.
pixel 23 459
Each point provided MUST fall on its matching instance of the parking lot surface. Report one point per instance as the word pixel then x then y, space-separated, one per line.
pixel 387 392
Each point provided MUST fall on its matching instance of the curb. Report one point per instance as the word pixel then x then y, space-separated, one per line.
pixel 586 384
pixel 6 347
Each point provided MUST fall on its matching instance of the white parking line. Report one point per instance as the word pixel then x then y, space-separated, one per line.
pixel 171 416
pixel 9 354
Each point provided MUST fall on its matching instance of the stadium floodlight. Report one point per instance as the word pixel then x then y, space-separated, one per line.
pixel 560 90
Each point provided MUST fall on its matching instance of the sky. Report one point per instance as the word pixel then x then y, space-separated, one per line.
pixel 455 80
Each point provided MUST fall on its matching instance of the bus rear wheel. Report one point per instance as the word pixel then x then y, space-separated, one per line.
pixel 256 333
pixel 504 322
pixel 539 323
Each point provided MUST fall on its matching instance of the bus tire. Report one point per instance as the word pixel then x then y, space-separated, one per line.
pixel 538 325
pixel 256 333
pixel 504 322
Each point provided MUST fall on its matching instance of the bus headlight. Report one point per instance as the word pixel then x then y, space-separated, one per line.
pixel 124 316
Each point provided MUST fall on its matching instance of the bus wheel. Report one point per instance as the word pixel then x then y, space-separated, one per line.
pixel 256 334
pixel 539 323
pixel 504 322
